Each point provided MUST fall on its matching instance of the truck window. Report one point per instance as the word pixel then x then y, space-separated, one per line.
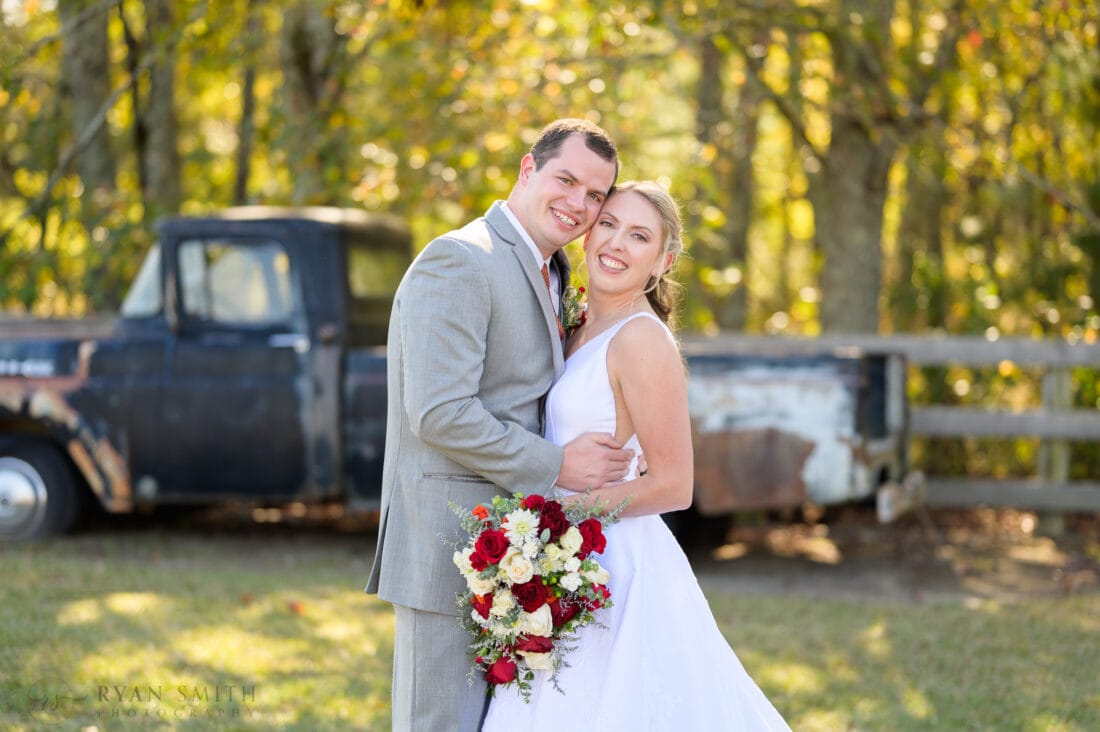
pixel 144 298
pixel 374 272
pixel 375 267
pixel 234 282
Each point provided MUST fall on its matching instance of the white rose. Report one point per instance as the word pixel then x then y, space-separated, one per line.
pixel 509 555
pixel 553 552
pixel 597 576
pixel 517 568
pixel 462 560
pixel 538 661
pixel 571 581
pixel 479 586
pixel 572 564
pixel 571 540
pixel 540 622
pixel 503 601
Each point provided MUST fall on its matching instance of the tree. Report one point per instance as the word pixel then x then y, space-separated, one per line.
pixel 86 77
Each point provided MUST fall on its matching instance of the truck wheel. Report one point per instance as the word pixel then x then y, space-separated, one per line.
pixel 38 496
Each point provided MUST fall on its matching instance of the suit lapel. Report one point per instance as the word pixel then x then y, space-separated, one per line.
pixel 502 226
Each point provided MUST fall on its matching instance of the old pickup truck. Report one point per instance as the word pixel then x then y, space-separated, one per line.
pixel 248 363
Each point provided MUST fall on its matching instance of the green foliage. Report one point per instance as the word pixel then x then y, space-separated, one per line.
pixel 423 109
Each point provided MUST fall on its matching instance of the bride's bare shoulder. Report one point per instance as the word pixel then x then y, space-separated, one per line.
pixel 641 337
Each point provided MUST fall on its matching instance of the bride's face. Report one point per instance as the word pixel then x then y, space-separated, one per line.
pixel 626 245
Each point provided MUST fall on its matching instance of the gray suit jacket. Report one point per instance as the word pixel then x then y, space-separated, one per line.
pixel 473 349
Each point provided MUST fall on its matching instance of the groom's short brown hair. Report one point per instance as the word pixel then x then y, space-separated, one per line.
pixel 554 134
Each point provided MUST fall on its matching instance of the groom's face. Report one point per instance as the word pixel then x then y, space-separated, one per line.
pixel 559 202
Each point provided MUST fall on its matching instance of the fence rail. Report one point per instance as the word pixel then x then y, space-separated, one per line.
pixel 1056 423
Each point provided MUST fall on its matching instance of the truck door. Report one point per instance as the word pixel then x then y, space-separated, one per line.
pixel 236 379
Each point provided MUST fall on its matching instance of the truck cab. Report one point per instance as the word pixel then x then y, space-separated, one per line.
pixel 247 362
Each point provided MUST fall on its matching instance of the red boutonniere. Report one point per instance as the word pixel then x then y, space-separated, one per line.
pixel 573 308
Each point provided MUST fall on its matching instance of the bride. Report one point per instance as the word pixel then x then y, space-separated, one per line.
pixel 661 662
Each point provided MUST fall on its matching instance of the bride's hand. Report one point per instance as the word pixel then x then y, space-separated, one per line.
pixel 592 460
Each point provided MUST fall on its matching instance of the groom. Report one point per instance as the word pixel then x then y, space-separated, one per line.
pixel 474 345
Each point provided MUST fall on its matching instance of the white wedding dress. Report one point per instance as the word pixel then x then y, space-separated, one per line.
pixel 661 663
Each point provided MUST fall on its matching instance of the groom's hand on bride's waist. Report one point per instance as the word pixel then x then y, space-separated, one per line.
pixel 592 460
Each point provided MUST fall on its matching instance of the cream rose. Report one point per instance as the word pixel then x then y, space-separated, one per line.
pixel 517 568
pixel 540 622
pixel 571 540
pixel 479 586
pixel 538 661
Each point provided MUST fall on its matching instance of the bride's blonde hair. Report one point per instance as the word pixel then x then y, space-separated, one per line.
pixel 661 291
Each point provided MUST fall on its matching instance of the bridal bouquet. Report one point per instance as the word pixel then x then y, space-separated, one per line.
pixel 531 583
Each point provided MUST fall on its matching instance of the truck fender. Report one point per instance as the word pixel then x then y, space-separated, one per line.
pixel 31 408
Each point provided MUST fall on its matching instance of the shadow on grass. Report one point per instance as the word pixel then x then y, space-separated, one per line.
pixel 124 631
pixel 106 628
pixel 840 664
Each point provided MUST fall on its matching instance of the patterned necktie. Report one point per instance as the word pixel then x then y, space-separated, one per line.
pixel 546 279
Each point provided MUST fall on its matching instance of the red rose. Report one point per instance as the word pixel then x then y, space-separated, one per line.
pixel 533 644
pixel 493 544
pixel 553 518
pixel 531 595
pixel 478 560
pixel 563 612
pixel 502 671
pixel 482 603
pixel 533 503
pixel 593 538
pixel 602 596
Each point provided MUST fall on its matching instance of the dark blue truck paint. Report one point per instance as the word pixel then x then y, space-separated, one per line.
pixel 250 366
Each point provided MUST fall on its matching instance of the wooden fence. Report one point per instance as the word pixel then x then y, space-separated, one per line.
pixel 1056 423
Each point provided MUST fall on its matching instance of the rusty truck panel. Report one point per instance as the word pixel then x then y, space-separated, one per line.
pixel 779 431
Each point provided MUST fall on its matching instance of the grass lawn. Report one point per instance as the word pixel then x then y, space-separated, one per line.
pixel 136 630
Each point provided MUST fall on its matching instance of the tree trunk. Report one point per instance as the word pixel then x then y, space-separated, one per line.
pixel 246 127
pixel 309 47
pixel 85 70
pixel 849 192
pixel 162 162
pixel 848 197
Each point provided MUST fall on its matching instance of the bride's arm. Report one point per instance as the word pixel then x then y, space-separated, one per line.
pixel 647 376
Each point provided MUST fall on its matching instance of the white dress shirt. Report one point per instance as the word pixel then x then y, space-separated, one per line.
pixel 555 281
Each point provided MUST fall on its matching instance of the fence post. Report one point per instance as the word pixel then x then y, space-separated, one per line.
pixel 1054 455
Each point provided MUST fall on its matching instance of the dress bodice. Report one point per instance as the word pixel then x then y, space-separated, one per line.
pixel 582 399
